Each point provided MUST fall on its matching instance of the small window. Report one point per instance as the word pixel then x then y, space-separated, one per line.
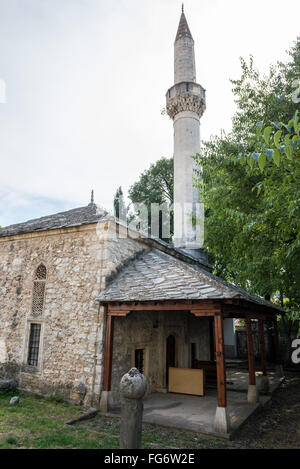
pixel 34 344
pixel 139 360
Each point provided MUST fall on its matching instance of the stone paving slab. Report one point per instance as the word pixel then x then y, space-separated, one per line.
pixel 237 380
pixel 196 413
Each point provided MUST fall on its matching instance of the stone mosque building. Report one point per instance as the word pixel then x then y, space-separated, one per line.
pixel 83 298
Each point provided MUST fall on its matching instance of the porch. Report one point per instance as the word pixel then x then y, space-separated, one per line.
pixel 156 286
pixel 220 410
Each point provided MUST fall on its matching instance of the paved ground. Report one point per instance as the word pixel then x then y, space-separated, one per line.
pixel 274 426
pixel 194 412
pixel 237 379
pixel 197 413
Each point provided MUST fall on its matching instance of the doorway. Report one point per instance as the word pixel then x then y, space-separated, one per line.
pixel 170 355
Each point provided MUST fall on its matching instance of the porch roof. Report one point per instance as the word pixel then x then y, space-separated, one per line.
pixel 157 276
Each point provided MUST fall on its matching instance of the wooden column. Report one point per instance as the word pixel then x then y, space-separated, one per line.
pixel 220 359
pixel 276 343
pixel 262 347
pixel 250 352
pixel 108 353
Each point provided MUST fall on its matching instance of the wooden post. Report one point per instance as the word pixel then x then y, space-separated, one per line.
pixel 221 422
pixel 262 347
pixel 220 359
pixel 108 353
pixel 252 392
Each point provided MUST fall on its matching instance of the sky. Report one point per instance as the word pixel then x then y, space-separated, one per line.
pixel 83 84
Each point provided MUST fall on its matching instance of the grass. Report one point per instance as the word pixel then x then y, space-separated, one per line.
pixel 39 423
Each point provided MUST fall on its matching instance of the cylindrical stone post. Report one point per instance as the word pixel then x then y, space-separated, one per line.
pixel 133 387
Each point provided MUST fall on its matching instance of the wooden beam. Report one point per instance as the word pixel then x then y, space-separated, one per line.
pixel 262 347
pixel 234 307
pixel 251 367
pixel 204 313
pixel 245 312
pixel 253 307
pixel 118 313
pixel 199 306
pixel 108 353
pixel 220 359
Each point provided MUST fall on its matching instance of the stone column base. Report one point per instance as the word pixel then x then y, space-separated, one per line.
pixel 279 371
pixel 252 394
pixel 104 401
pixel 263 384
pixel 221 423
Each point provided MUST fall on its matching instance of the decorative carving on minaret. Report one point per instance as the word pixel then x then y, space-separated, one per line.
pixel 186 96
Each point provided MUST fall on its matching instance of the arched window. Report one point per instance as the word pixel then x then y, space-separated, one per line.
pixel 38 294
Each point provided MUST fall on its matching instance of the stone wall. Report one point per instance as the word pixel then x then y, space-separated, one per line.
pixel 71 346
pixel 80 262
pixel 149 331
pixel 71 323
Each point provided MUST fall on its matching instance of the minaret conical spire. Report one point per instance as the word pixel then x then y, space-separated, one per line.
pixel 183 28
pixel 184 55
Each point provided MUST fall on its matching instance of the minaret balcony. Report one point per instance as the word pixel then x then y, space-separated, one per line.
pixel 186 96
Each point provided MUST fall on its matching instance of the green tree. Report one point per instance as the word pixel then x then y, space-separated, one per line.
pixel 155 186
pixel 252 204
pixel 277 147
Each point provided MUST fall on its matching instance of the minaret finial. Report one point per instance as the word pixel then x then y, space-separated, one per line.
pixel 92 196
pixel 182 8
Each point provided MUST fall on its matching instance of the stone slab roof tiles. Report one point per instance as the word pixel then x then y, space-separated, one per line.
pixel 75 217
pixel 157 276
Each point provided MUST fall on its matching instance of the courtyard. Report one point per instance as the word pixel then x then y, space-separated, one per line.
pixel 41 423
pixel 197 413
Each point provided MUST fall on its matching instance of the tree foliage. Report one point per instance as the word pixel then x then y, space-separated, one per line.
pixel 249 182
pixel 155 186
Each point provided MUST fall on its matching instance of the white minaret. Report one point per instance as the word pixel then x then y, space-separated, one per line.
pixel 185 105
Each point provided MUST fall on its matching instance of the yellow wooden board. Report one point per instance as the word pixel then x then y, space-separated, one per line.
pixel 186 381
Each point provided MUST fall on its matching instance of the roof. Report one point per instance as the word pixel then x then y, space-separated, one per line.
pixel 75 217
pixel 183 28
pixel 157 276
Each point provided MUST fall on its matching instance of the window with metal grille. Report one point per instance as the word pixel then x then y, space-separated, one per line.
pixel 38 293
pixel 34 344
pixel 139 360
